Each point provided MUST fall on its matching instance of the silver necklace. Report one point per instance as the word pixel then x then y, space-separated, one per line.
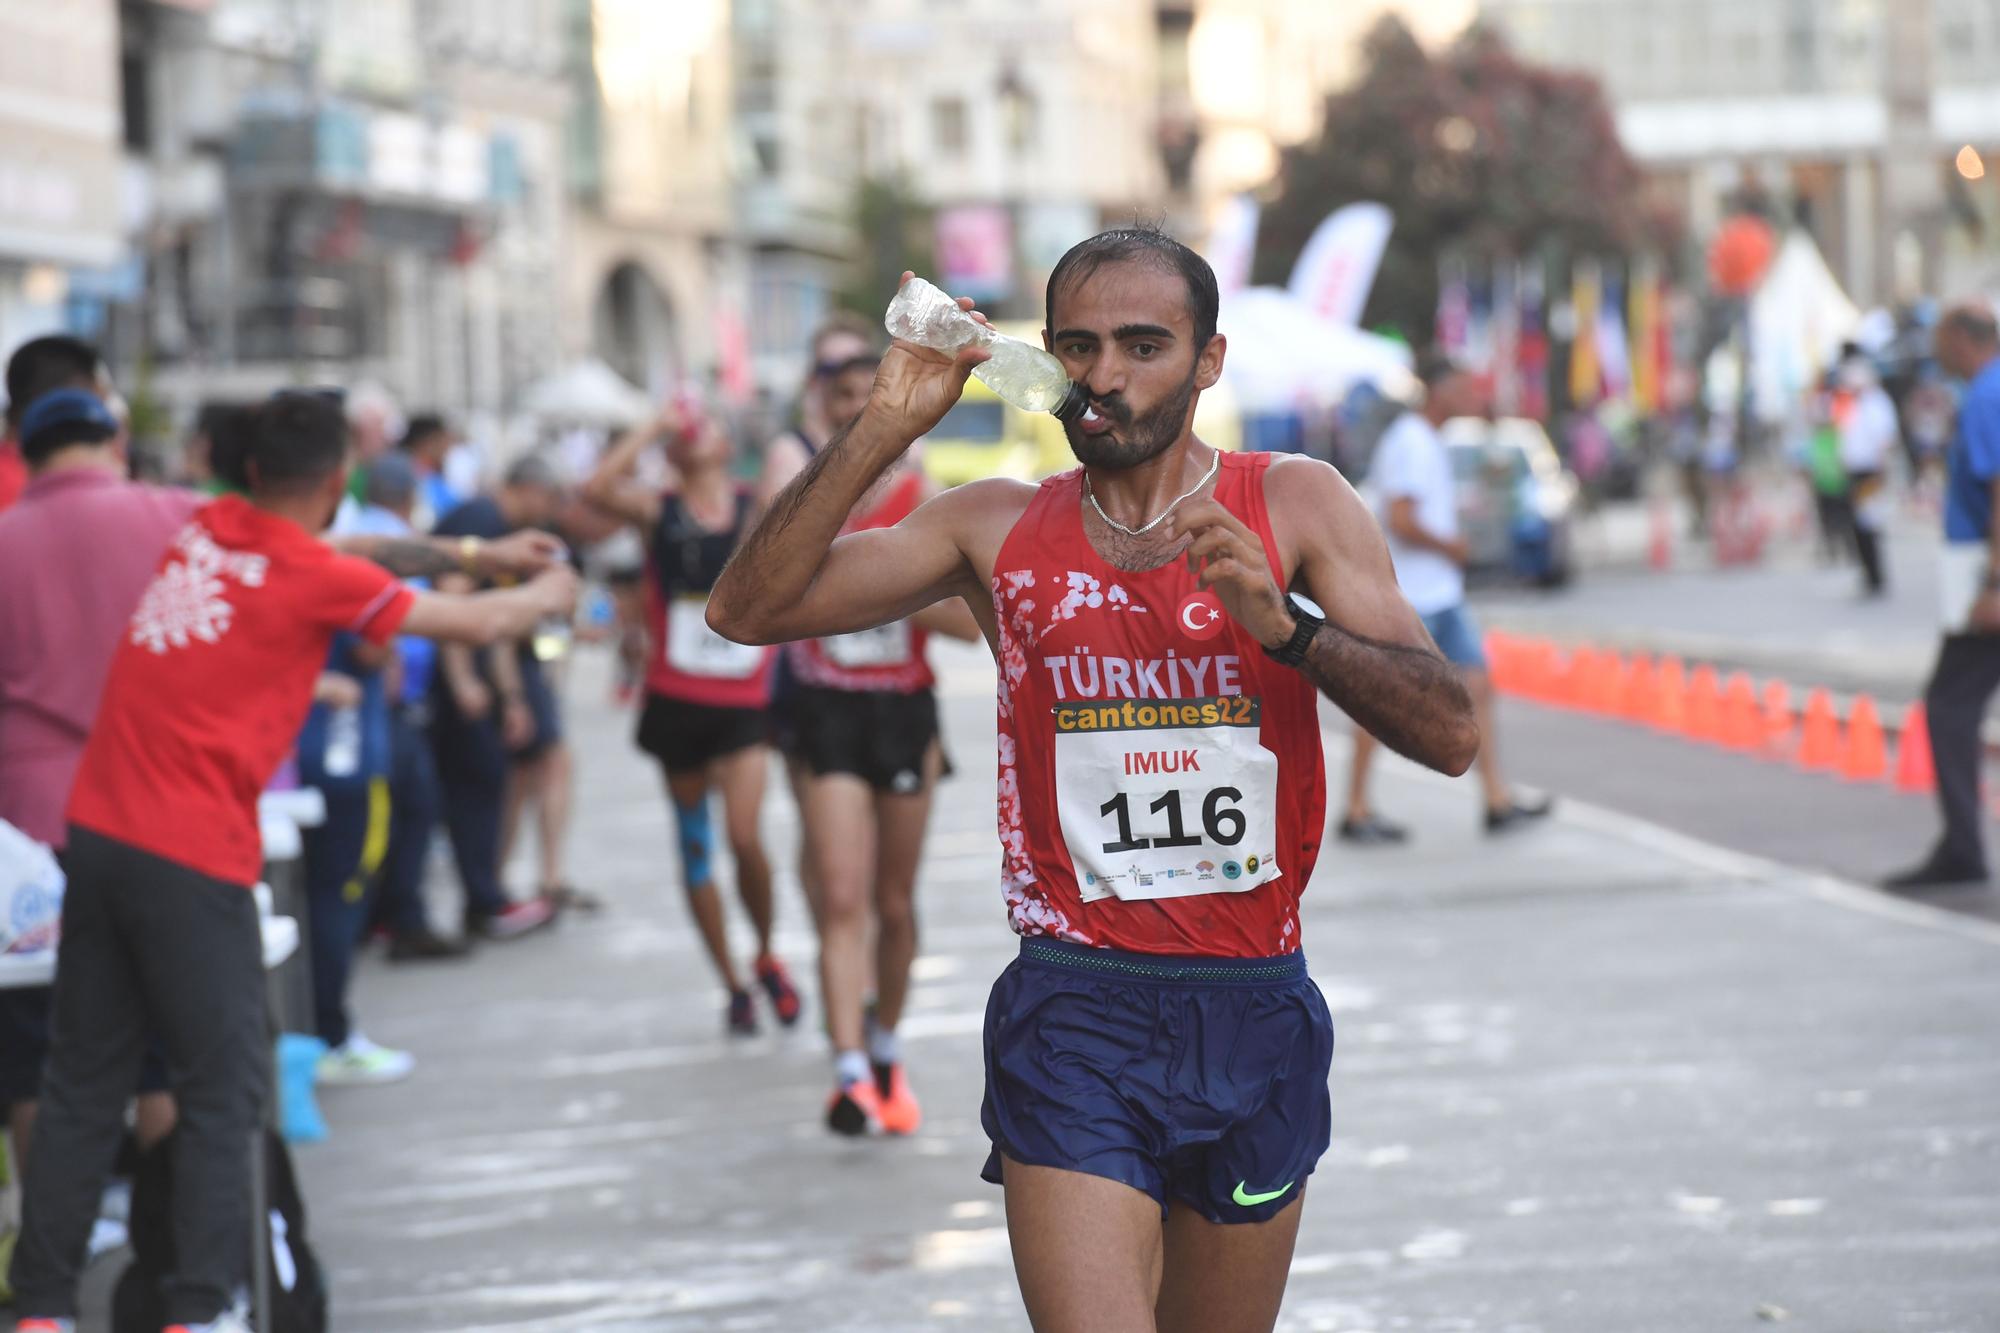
pixel 1163 515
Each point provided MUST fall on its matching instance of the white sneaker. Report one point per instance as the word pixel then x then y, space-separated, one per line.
pixel 359 1060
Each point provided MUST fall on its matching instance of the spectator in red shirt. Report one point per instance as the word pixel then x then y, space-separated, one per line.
pixel 209 686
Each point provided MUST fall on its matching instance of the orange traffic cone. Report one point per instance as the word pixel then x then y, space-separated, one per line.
pixel 1670 700
pixel 1575 681
pixel 1704 705
pixel 1742 727
pixel 1867 758
pixel 1610 698
pixel 1544 673
pixel 1641 689
pixel 1819 742
pixel 1914 770
pixel 1778 719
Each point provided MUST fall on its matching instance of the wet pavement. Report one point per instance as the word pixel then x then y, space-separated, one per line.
pixel 1598 1076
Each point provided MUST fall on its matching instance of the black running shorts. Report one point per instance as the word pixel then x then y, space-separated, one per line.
pixel 687 737
pixel 879 736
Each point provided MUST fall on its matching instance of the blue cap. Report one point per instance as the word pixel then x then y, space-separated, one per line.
pixel 61 407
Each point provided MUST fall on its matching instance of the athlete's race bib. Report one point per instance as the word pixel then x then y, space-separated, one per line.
pixel 884 646
pixel 1166 798
pixel 693 649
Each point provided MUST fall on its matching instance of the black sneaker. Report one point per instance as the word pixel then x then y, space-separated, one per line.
pixel 742 1018
pixel 1935 875
pixel 423 946
pixel 1518 814
pixel 1371 830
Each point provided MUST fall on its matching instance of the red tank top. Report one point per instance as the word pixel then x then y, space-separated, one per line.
pixel 687 660
pixel 1161 784
pixel 887 658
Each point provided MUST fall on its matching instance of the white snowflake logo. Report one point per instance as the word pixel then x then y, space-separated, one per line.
pixel 184 603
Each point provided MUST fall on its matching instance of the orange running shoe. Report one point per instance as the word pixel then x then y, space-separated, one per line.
pixel 855 1109
pixel 900 1113
pixel 777 983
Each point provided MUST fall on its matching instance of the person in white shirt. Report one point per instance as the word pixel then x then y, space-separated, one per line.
pixel 1866 420
pixel 1416 499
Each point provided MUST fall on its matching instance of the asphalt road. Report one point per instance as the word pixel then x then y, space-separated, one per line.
pixel 1596 1077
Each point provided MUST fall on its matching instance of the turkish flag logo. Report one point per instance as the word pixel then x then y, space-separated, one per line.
pixel 1201 616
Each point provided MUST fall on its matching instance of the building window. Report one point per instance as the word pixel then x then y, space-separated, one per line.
pixel 948 126
pixel 1024 123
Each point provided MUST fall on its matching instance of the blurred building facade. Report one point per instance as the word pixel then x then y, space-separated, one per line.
pixel 1023 127
pixel 351 190
pixel 657 281
pixel 61 189
pixel 1849 113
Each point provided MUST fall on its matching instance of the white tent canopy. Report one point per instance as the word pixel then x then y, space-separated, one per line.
pixel 1282 356
pixel 1799 317
pixel 588 393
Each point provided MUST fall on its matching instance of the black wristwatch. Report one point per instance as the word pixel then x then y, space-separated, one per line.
pixel 1292 652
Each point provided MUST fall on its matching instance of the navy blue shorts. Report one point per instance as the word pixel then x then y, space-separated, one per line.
pixel 1201 1080
pixel 540 697
pixel 1457 637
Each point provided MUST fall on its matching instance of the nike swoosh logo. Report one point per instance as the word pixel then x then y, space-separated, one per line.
pixel 1252 1200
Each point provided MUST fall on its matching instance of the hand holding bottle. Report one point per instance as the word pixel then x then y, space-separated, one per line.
pixel 916 384
pixel 1026 376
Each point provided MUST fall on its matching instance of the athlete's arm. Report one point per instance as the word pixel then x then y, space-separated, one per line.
pixel 791 579
pixel 1373 656
pixel 951 618
pixel 611 487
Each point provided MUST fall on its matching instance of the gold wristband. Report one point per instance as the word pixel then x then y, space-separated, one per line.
pixel 468 554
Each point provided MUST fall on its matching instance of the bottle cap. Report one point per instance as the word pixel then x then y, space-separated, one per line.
pixel 1073 403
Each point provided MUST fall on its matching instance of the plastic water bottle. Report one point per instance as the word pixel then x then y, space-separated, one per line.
pixel 343 743
pixel 1019 372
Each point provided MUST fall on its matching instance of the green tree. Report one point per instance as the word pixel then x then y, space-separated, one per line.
pixel 1477 153
pixel 894 232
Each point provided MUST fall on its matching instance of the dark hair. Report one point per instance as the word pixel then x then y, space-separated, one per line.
pixel 391 481
pixel 421 427
pixel 54 362
pixel 867 361
pixel 534 471
pixel 1140 244
pixel 1973 323
pixel 1435 366
pixel 842 322
pixel 288 444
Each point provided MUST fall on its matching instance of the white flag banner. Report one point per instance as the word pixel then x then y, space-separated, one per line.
pixel 1337 267
pixel 1232 242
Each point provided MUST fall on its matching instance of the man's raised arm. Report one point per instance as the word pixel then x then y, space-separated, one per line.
pixel 792 579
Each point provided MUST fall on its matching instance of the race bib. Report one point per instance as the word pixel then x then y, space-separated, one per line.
pixel 884 646
pixel 693 649
pixel 1166 798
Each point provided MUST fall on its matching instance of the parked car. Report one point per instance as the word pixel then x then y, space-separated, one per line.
pixel 1516 501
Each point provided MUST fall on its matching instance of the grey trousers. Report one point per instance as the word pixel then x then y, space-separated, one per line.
pixel 148 946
